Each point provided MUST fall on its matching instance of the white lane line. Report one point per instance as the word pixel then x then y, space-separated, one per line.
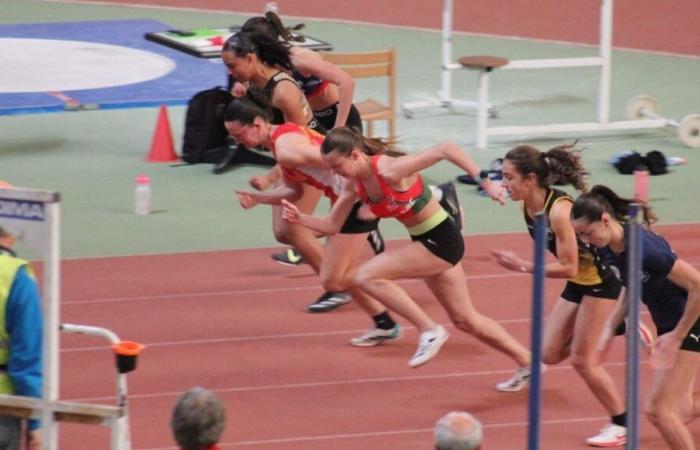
pixel 358 381
pixel 257 338
pixel 313 287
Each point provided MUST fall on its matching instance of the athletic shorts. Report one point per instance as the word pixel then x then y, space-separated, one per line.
pixel 610 288
pixel 691 342
pixel 355 225
pixel 444 241
pixel 327 116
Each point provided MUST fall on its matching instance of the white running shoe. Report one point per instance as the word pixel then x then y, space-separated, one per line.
pixel 610 436
pixel 429 344
pixel 376 336
pixel 519 380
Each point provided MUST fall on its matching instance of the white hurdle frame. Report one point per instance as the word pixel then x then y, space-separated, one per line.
pixel 484 108
pixel 444 99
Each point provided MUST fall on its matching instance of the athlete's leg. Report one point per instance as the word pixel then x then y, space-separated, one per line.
pixel 339 265
pixel 667 388
pixel 558 331
pixel 590 320
pixel 298 236
pixel 409 261
pixel 450 287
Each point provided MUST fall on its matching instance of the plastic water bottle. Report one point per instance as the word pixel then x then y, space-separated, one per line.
pixel 142 195
pixel 271 7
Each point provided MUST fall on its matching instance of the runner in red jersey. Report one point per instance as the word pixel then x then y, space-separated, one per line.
pixel 390 185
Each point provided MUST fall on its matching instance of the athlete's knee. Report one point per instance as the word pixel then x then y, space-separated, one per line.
pixel 583 362
pixel 335 282
pixel 656 412
pixel 469 323
pixel 552 356
pixel 365 279
pixel 281 235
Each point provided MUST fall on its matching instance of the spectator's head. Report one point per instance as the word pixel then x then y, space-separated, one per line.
pixel 198 419
pixel 7 240
pixel 458 431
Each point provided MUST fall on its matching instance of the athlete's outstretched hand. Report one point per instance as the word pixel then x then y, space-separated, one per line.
pixel 510 260
pixel 494 190
pixel 247 199
pixel 290 212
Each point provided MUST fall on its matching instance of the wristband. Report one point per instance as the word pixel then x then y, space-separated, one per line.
pixel 483 176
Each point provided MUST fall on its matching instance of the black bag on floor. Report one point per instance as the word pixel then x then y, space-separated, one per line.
pixel 205 136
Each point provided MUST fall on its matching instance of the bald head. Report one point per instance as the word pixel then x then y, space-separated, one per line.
pixel 458 431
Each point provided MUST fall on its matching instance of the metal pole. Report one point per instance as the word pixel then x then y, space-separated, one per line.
pixel 538 281
pixel 634 292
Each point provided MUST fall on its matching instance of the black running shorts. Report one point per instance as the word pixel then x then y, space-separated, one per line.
pixel 610 288
pixel 444 241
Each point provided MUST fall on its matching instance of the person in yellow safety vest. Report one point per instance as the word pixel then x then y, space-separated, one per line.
pixel 21 328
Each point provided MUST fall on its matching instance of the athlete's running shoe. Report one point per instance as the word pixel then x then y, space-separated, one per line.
pixel 450 202
pixel 519 380
pixel 376 336
pixel 429 344
pixel 376 241
pixel 610 436
pixel 329 301
pixel 288 257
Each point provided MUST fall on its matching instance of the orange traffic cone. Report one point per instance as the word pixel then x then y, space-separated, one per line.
pixel 162 147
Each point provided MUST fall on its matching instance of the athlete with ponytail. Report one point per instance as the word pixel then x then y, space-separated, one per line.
pixel 389 184
pixel 671 291
pixel 576 322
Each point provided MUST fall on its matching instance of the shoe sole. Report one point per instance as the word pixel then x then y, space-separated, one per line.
pixel 378 341
pixel 611 445
pixel 288 264
pixel 322 309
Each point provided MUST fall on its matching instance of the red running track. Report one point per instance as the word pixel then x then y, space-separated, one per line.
pixel 234 322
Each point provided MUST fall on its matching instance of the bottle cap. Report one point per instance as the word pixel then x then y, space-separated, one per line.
pixel 143 179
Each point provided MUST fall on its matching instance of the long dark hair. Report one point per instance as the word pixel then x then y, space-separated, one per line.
pixel 246 108
pixel 271 24
pixel 601 199
pixel 558 165
pixel 269 50
pixel 344 139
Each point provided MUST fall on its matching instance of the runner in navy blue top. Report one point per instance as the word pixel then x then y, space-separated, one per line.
pixel 671 291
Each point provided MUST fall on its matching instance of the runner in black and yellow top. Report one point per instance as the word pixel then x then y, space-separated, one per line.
pixel 579 315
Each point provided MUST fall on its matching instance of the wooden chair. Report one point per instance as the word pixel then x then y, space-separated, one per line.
pixel 367 65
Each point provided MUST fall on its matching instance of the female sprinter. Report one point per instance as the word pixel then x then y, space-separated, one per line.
pixel 389 185
pixel 328 89
pixel 297 151
pixel 671 291
pixel 581 311
pixel 249 60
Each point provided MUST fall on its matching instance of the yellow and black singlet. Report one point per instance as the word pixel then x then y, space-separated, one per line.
pixel 591 269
